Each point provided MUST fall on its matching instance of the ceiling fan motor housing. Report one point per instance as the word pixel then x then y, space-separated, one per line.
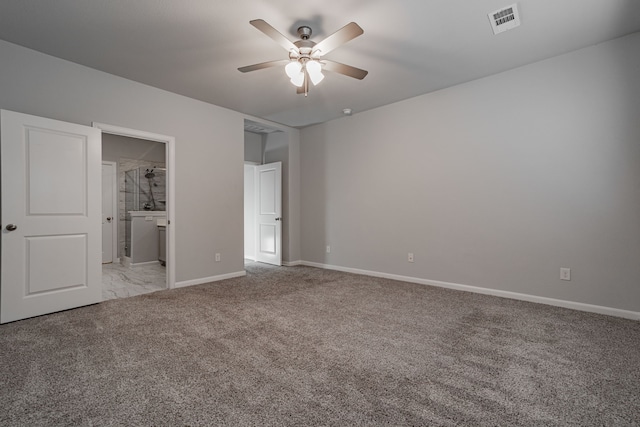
pixel 304 32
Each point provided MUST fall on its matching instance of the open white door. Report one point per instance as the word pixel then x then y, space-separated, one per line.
pixel 268 208
pixel 51 237
pixel 109 202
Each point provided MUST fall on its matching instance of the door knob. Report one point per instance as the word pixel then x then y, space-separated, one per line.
pixel 109 218
pixel 11 227
pixel 278 219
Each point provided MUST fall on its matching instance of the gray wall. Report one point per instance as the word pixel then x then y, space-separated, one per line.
pixel 115 146
pixel 252 147
pixel 292 208
pixel 209 146
pixel 496 183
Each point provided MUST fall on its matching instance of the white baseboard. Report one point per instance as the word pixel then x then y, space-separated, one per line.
pixel 292 263
pixel 134 264
pixel 609 311
pixel 200 281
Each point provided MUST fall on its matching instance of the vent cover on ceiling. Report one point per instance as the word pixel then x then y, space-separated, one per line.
pixel 504 19
pixel 255 127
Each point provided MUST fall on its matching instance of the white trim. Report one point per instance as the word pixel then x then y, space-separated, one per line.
pixel 170 153
pixel 132 133
pixel 194 282
pixel 292 263
pixel 135 264
pixel 115 216
pixel 609 311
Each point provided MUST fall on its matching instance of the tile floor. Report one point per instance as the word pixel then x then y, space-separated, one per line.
pixel 119 281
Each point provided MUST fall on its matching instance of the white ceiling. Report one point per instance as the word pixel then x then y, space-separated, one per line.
pixel 409 47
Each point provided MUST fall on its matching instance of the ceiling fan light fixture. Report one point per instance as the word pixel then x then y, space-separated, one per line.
pixel 293 68
pixel 315 71
pixel 298 79
pixel 315 79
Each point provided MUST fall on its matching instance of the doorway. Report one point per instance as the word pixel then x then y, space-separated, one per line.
pixel 266 158
pixel 141 224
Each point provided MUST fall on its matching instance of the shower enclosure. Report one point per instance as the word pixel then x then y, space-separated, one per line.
pixel 145 190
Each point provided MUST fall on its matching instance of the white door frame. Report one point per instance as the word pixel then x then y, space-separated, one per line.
pixel 114 232
pixel 169 142
pixel 249 212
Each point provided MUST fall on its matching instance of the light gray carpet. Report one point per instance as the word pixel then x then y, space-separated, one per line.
pixel 304 346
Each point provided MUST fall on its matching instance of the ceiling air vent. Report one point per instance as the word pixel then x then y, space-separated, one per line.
pixel 255 127
pixel 504 19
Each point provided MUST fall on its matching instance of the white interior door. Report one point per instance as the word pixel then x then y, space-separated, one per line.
pixel 109 205
pixel 268 208
pixel 50 247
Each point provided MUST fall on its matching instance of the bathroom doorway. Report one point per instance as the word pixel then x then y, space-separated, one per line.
pixel 140 223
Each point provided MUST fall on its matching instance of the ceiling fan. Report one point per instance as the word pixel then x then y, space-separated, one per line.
pixel 305 56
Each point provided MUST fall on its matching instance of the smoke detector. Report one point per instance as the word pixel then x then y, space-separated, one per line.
pixel 504 19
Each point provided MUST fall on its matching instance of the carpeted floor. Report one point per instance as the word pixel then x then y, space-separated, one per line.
pixel 304 346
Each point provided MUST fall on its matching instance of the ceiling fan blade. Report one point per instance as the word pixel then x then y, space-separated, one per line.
pixel 262 65
pixel 261 25
pixel 347 70
pixel 343 35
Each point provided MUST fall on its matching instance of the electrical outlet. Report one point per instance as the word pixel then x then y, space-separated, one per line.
pixel 565 273
pixel 217 257
pixel 410 257
pixel 328 249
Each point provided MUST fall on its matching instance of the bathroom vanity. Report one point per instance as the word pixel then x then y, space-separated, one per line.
pixel 145 236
